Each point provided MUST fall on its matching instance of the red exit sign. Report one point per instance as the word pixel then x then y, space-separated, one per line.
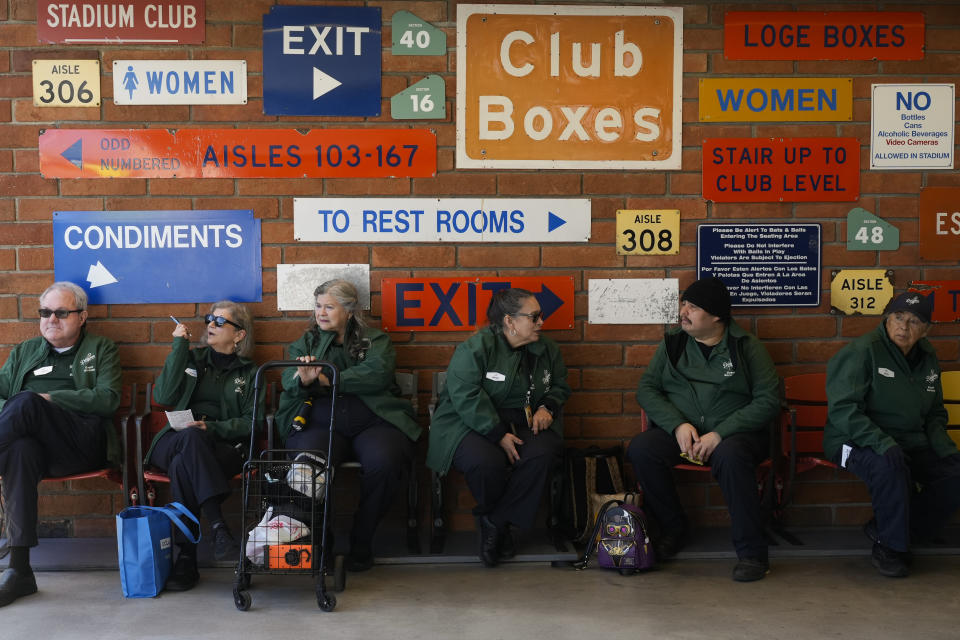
pixel 460 304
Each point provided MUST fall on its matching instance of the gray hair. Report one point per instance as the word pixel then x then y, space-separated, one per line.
pixel 346 295
pixel 79 295
pixel 242 316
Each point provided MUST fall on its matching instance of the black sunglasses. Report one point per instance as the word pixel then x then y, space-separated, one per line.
pixel 534 317
pixel 220 321
pixel 60 313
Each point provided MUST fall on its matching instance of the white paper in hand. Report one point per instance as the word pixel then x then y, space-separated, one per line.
pixel 179 419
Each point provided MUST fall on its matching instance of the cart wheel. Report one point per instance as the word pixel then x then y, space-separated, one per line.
pixel 242 580
pixel 242 599
pixel 327 602
pixel 339 573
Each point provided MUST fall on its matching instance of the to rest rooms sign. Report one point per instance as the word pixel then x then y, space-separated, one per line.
pixel 568 87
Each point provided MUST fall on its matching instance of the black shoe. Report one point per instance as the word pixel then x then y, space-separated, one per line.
pixel 489 539
pixel 184 575
pixel 888 562
pixel 506 545
pixel 667 545
pixel 16 583
pixel 871 531
pixel 225 546
pixel 750 569
pixel 359 560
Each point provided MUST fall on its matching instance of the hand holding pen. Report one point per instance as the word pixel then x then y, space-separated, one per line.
pixel 181 331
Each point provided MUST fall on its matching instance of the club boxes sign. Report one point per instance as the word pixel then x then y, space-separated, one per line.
pixel 568 87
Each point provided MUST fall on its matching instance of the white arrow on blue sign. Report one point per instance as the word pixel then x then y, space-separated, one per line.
pixel 130 257
pixel 441 220
pixel 322 61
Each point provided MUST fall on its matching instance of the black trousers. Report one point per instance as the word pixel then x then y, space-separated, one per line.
pixel 901 509
pixel 505 493
pixel 38 439
pixel 733 464
pixel 385 455
pixel 200 466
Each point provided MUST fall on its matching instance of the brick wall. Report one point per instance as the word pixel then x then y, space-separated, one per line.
pixel 605 361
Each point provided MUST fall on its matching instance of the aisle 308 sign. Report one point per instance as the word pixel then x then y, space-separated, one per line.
pixel 648 232
pixel 66 83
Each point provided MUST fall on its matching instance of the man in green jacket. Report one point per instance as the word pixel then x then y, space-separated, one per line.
pixel 885 424
pixel 58 393
pixel 710 400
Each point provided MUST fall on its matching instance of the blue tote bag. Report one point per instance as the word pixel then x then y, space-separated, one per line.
pixel 145 546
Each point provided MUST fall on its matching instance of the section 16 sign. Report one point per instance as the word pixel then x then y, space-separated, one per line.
pixel 460 304
pixel 568 87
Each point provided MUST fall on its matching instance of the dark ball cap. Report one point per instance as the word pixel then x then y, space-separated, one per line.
pixel 711 295
pixel 916 303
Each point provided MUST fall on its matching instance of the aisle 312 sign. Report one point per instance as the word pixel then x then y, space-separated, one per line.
pixel 648 232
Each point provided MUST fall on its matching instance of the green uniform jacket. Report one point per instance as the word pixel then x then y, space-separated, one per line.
pixel 372 379
pixel 481 374
pixel 96 376
pixel 739 378
pixel 875 399
pixel 178 379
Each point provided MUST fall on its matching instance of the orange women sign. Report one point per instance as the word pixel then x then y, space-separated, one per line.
pixel 568 87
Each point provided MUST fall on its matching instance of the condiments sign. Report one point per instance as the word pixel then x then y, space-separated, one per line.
pixel 564 87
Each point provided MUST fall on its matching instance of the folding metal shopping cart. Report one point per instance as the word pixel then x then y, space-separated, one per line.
pixel 286 508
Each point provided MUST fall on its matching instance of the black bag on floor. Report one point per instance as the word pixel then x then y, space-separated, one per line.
pixel 586 473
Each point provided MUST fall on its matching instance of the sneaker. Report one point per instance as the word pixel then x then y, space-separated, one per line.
pixel 667 545
pixel 184 575
pixel 16 583
pixel 750 569
pixel 359 560
pixel 489 541
pixel 888 562
pixel 225 546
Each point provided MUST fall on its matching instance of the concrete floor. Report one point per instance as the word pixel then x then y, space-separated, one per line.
pixel 813 597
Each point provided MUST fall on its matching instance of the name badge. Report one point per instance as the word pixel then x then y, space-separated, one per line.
pixel 42 371
pixel 190 371
pixel 887 373
pixel 496 376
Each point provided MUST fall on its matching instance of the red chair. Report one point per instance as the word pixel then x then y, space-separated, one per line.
pixel 801 426
pixel 147 426
pixel 122 475
pixel 768 483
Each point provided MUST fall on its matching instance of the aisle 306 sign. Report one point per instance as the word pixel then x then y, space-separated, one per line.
pixel 66 83
pixel 648 232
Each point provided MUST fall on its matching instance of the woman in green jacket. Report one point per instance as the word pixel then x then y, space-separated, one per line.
pixel 498 418
pixel 216 383
pixel 373 423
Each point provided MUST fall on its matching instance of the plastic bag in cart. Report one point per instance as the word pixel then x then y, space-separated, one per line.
pixel 306 475
pixel 273 531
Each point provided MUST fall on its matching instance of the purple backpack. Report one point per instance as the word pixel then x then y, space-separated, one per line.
pixel 620 539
